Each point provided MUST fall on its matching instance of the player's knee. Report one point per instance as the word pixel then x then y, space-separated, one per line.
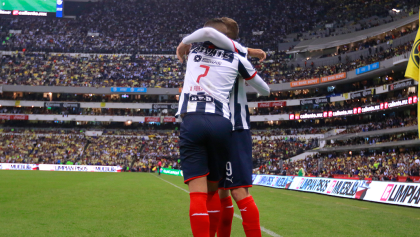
pixel 223 193
pixel 212 186
pixel 239 193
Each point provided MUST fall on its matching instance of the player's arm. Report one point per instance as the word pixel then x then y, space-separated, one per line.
pixel 250 75
pixel 220 40
pixel 259 84
pixel 244 51
pixel 205 34
pixel 257 53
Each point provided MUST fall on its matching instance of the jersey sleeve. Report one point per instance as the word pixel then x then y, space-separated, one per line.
pixel 212 35
pixel 241 50
pixel 259 85
pixel 246 69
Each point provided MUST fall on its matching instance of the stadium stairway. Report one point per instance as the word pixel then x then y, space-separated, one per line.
pixel 82 154
pixel 28 156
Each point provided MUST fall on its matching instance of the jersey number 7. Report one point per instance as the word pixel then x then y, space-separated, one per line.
pixel 204 74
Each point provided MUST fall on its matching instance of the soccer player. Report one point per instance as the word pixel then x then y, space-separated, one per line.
pixel 206 128
pixel 159 166
pixel 239 167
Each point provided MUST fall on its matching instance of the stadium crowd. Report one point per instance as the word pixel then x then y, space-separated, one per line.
pixel 154 71
pixel 101 71
pixel 122 147
pixel 133 26
pixel 73 147
pixel 280 147
pixel 382 166
pixel 333 106
pixel 395 122
pixel 374 140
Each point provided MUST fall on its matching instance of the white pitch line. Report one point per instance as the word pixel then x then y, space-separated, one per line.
pixel 263 229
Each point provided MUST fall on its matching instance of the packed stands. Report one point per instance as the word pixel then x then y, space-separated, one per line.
pixel 281 148
pixel 145 26
pixel 386 165
pixel 153 71
pixel 64 70
pixel 388 124
pixel 375 140
pixel 345 105
pixel 132 44
pixel 121 147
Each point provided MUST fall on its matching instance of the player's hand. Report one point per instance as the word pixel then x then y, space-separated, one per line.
pixel 257 53
pixel 182 50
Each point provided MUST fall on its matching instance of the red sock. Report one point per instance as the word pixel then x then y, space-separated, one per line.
pixel 199 218
pixel 213 208
pixel 250 217
pixel 226 216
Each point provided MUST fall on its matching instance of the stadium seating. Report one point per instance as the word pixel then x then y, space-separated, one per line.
pixel 129 27
pixel 153 71
pixel 383 166
pixel 132 44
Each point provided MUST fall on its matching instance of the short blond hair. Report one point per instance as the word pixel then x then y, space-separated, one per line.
pixel 233 27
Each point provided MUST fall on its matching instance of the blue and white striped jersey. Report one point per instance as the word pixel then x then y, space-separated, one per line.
pixel 211 74
pixel 238 102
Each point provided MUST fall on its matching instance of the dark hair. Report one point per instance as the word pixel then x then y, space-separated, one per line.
pixel 233 28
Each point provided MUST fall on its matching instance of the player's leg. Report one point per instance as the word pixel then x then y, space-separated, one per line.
pixel 213 206
pixel 249 212
pixel 199 217
pixel 218 150
pixel 226 214
pixel 194 158
pixel 239 179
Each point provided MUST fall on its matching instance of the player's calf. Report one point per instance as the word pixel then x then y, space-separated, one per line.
pixel 199 217
pixel 213 208
pixel 226 214
pixel 250 217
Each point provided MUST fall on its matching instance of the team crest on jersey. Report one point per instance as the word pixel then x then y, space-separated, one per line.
pixel 415 55
pixel 197 58
pixel 215 53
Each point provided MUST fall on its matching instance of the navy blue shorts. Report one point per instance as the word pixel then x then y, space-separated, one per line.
pixel 204 146
pixel 239 167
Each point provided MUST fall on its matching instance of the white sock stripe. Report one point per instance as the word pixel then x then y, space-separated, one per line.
pixel 213 211
pixel 263 229
pixel 230 206
pixel 200 214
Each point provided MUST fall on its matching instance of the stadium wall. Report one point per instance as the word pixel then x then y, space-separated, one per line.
pixel 55 167
pixel 261 104
pixel 395 193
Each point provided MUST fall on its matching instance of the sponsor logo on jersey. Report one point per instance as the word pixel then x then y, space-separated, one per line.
pixel 215 53
pixel 197 58
pixel 201 98
pixel 207 60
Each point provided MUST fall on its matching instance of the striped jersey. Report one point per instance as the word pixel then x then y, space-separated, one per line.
pixel 238 102
pixel 210 77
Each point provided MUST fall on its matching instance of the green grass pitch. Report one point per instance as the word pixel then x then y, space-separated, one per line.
pixel 29 5
pixel 36 203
